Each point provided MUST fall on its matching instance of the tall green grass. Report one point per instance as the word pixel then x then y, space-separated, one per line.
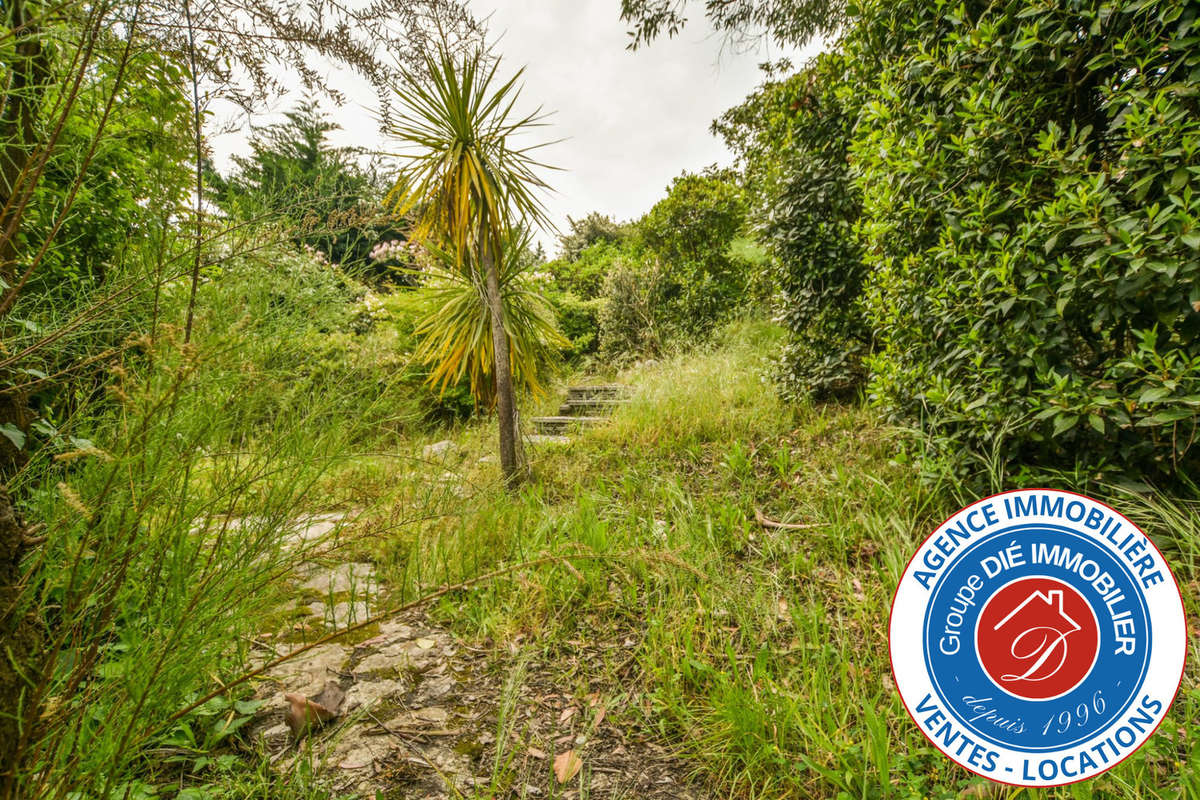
pixel 770 672
pixel 760 653
pixel 169 509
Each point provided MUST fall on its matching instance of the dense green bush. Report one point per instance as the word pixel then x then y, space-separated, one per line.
pixel 581 292
pixel 584 275
pixel 629 319
pixel 304 328
pixel 136 180
pixel 579 321
pixel 696 282
pixel 112 189
pixel 991 210
pixel 792 137
pixel 1030 219
pixel 594 229
pixel 673 276
pixel 322 194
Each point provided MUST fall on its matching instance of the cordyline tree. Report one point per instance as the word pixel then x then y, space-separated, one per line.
pixel 472 186
pixel 65 61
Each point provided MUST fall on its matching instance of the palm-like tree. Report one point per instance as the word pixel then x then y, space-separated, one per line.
pixel 470 185
pixel 455 326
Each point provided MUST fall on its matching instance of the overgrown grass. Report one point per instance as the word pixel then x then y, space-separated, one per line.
pixel 170 508
pixel 767 665
pixel 759 652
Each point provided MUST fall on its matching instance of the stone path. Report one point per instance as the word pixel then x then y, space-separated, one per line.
pixel 425 715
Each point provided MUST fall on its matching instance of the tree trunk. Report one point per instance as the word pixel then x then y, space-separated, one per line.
pixel 21 637
pixel 20 634
pixel 512 459
pixel 28 73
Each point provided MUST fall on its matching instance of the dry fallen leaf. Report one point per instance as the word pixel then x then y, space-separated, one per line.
pixel 566 714
pixel 536 753
pixel 599 716
pixel 858 589
pixel 303 714
pixel 567 766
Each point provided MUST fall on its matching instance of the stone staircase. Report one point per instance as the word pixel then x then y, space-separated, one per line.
pixel 585 407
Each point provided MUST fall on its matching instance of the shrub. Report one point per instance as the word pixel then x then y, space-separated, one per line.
pixel 593 229
pixel 1030 222
pixel 792 137
pixel 628 321
pixel 302 329
pixel 136 178
pixel 584 275
pixel 579 321
pixel 676 278
pixel 687 237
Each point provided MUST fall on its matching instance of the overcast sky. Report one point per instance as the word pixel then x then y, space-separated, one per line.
pixel 631 120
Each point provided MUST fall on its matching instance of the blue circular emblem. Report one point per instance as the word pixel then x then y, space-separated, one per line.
pixel 1037 637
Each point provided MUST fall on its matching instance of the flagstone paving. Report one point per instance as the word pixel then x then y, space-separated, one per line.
pixel 424 714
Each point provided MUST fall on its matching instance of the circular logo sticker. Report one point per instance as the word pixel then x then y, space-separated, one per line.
pixel 1037 637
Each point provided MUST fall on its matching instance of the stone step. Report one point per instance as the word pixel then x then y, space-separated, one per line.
pixel 557 426
pixel 597 392
pixel 592 406
pixel 543 439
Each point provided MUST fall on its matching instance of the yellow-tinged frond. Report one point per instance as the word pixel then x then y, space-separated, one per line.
pixel 454 330
pixel 470 189
pixel 460 115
